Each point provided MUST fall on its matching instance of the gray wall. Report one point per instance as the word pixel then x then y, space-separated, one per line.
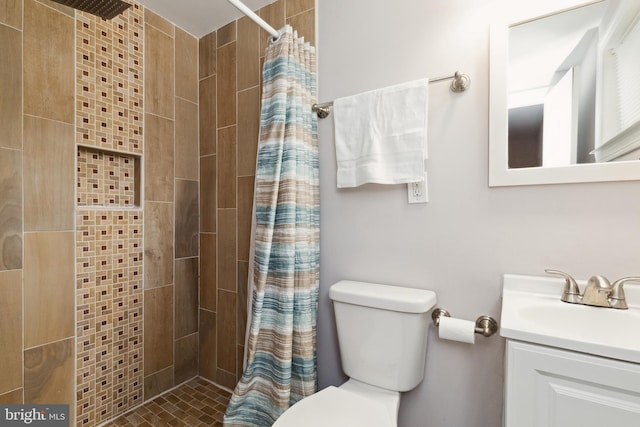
pixel 468 235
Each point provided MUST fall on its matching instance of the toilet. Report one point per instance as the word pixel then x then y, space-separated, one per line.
pixel 382 334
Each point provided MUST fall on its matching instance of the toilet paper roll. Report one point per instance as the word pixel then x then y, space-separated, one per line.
pixel 457 330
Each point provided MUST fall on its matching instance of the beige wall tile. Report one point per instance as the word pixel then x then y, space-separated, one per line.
pixel 227 169
pixel 207 46
pixel 227 268
pixel 158 329
pixel 239 367
pixel 226 91
pixel 186 306
pixel 248 53
pixel 49 373
pixel 49 287
pixel 158 244
pixel 187 218
pixel 159 155
pixel 186 65
pixel 227 331
pixel 248 130
pixel 261 67
pixel 159 70
pixel 305 24
pixel 186 351
pixel 227 34
pixel 208 198
pixel 158 382
pixel 274 15
pixel 243 274
pixel 11 330
pixel 13 397
pixel 207 346
pixel 49 181
pixel 295 7
pixel 49 64
pixel 11 13
pixel 10 85
pixel 245 211
pixel 208 115
pixel 158 22
pixel 208 262
pixel 226 379
pixel 186 145
pixel 59 7
pixel 10 209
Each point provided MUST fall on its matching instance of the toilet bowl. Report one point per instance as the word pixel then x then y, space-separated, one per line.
pixel 382 336
pixel 352 404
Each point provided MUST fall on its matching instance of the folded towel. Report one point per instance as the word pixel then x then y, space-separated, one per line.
pixel 381 135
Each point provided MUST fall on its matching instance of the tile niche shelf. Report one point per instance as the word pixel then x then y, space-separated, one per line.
pixel 107 179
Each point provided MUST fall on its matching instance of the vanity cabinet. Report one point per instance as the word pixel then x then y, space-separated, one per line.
pixel 550 387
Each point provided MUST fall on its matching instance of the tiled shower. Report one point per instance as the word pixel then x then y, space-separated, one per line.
pixel 127 155
pixel 230 71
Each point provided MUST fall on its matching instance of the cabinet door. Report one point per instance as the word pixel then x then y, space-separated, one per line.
pixel 548 387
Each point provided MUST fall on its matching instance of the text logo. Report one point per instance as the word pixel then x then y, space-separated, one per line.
pixel 34 415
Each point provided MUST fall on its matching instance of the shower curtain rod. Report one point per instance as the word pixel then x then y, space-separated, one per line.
pixel 255 18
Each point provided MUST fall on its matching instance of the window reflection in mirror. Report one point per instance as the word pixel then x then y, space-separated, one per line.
pixel 573 92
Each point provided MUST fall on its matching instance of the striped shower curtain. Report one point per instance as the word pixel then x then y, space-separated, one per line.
pixel 281 348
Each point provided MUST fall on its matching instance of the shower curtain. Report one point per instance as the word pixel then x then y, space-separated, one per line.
pixel 281 349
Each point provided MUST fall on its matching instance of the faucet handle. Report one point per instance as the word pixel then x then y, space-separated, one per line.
pixel 571 291
pixel 617 298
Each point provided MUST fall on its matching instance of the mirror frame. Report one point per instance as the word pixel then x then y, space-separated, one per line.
pixel 500 174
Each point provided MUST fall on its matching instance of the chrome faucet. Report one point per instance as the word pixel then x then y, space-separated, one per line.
pixel 616 298
pixel 599 292
pixel 571 291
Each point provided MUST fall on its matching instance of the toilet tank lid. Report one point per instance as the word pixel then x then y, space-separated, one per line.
pixel 394 298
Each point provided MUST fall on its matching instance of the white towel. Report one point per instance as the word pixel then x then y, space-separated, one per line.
pixel 381 135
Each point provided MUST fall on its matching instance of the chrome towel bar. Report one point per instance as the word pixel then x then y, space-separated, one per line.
pixel 460 83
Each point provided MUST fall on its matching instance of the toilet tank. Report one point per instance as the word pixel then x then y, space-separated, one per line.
pixel 382 332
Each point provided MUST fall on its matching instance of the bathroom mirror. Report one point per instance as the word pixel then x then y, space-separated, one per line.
pixel 565 96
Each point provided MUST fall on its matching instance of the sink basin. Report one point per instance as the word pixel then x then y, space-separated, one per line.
pixel 532 312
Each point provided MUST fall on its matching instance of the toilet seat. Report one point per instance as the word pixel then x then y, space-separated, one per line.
pixel 335 407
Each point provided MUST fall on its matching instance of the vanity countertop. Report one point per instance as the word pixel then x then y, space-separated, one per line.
pixel 532 312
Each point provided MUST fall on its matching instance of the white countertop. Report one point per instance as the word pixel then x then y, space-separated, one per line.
pixel 533 312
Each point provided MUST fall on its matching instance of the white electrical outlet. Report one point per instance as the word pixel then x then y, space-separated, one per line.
pixel 417 191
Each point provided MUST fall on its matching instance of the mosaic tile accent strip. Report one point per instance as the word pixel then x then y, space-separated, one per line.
pixel 106 178
pixel 194 404
pixel 109 314
pixel 109 116
pixel 109 94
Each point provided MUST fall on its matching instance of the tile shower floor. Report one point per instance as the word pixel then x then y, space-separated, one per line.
pixel 193 404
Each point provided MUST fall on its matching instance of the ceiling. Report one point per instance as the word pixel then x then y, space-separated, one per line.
pixel 200 17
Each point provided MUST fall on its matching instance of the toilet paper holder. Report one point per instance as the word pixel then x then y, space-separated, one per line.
pixel 485 325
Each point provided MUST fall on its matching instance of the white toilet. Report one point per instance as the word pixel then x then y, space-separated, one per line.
pixel 382 332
